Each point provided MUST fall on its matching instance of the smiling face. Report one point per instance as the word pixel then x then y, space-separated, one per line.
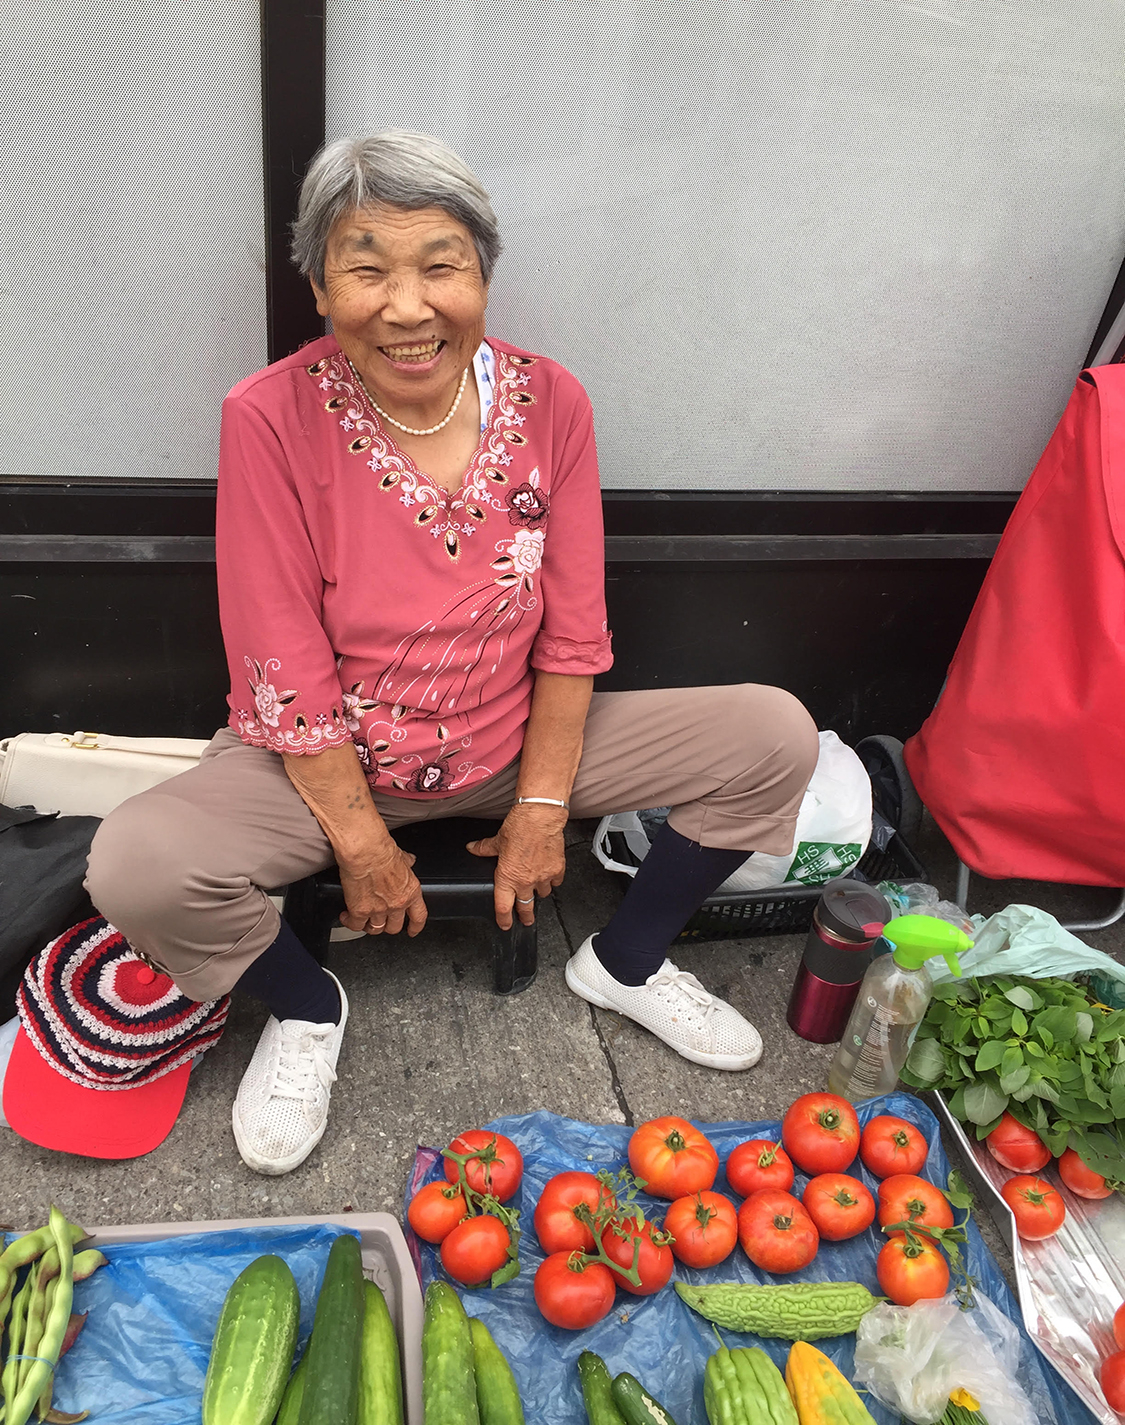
pixel 404 292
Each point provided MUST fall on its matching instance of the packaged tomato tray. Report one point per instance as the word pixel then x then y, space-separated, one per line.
pixel 658 1338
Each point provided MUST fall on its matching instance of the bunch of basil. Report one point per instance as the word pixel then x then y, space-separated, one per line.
pixel 1044 1050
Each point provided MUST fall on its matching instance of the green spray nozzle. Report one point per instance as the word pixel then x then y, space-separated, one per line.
pixel 918 938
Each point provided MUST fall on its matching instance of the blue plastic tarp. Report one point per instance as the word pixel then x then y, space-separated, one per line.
pixel 658 1338
pixel 142 1356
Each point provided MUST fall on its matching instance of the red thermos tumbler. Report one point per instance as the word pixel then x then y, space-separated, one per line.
pixel 847 921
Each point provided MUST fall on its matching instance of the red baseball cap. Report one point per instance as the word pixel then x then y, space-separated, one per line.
pixel 101 1059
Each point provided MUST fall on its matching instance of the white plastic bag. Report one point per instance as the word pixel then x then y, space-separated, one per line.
pixel 913 1358
pixel 833 829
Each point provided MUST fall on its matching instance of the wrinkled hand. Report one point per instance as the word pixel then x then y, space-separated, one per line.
pixel 382 893
pixel 531 860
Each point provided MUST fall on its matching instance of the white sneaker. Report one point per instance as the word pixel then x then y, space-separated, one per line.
pixel 675 1007
pixel 281 1109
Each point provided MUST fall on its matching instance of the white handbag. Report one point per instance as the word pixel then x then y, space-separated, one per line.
pixel 88 773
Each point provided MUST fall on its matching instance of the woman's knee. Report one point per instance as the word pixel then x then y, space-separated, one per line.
pixel 136 868
pixel 777 725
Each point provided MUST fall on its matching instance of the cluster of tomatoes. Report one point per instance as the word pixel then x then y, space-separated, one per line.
pixel 464 1214
pixel 596 1237
pixel 1040 1211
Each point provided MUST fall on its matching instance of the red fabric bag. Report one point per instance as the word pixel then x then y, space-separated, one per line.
pixel 1022 761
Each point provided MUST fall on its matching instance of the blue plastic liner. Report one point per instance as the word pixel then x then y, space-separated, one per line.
pixel 658 1338
pixel 142 1356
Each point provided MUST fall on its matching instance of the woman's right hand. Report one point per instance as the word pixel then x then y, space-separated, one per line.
pixel 382 893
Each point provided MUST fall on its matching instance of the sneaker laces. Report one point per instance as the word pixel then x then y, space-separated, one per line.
pixel 680 985
pixel 303 1070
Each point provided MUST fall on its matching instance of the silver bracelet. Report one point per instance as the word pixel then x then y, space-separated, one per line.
pixel 544 801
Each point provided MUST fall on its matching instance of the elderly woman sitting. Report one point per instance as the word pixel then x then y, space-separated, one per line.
pixel 410 564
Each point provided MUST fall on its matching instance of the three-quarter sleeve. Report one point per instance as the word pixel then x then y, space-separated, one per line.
pixel 285 692
pixel 573 637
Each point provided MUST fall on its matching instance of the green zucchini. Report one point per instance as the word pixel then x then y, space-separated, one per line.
pixel 635 1403
pixel 498 1396
pixel 449 1392
pixel 380 1372
pixel 331 1395
pixel 253 1346
pixel 597 1393
pixel 294 1393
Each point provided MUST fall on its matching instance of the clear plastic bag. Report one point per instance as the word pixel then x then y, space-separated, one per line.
pixel 913 1358
pixel 1023 940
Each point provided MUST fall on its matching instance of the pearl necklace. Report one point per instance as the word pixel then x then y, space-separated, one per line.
pixel 433 430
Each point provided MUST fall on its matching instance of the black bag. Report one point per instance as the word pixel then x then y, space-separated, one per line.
pixel 42 866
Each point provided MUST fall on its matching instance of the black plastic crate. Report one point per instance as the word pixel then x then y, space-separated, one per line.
pixel 787 910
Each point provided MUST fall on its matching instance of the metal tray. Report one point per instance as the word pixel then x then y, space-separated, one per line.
pixel 386 1261
pixel 1068 1286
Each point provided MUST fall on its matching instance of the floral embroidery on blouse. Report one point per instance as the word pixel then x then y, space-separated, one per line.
pixel 260 727
pixel 449 518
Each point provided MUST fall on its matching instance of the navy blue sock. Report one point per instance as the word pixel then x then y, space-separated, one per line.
pixel 672 882
pixel 287 979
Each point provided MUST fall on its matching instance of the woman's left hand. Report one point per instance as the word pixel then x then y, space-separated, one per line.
pixel 531 860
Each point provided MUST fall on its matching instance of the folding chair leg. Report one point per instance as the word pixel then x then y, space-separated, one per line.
pixel 961 894
pixel 306 917
pixel 1111 919
pixel 515 957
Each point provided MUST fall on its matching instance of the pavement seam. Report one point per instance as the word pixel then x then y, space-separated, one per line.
pixel 603 1043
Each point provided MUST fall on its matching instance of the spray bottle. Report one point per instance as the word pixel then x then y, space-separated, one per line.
pixel 889 1007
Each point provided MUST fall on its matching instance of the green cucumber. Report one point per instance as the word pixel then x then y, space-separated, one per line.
pixel 253 1346
pixel 498 1396
pixel 331 1395
pixel 290 1410
pixel 380 1373
pixel 597 1393
pixel 635 1403
pixel 449 1392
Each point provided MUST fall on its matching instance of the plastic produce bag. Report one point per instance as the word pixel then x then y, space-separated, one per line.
pixel 914 1357
pixel 833 829
pixel 1022 940
pixel 142 1356
pixel 658 1338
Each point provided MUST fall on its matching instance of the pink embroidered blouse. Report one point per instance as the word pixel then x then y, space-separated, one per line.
pixel 360 600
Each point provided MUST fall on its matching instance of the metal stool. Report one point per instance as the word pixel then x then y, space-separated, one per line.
pixel 456 884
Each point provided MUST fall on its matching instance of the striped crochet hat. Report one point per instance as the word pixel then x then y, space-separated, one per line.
pixel 101 1061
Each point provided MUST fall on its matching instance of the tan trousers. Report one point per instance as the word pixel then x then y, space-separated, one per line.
pixel 183 869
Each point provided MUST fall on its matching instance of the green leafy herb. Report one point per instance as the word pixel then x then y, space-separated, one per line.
pixel 1046 1051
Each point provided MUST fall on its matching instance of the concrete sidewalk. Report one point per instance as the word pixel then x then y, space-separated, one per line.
pixel 430 1050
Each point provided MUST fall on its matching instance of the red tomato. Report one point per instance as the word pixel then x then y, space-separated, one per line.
pixel 891 1145
pixel 905 1198
pixel 1039 1209
pixel 672 1157
pixel 654 1260
pixel 556 1226
pixel 1112 1377
pixel 572 1293
pixel 435 1210
pixel 1081 1180
pixel 757 1164
pixel 776 1232
pixel 475 1249
pixel 1119 1326
pixel 1016 1147
pixel 911 1271
pixel 821 1133
pixel 840 1206
pixel 498 1173
pixel 703 1228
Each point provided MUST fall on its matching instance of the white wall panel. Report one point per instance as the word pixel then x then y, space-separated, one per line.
pixel 846 245
pixel 132 288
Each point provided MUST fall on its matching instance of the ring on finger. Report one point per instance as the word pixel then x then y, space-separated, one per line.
pixel 376 924
pixel 520 900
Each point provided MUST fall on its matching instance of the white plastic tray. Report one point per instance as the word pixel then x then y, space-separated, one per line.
pixel 386 1261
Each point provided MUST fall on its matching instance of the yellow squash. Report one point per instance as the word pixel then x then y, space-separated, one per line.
pixel 820 1393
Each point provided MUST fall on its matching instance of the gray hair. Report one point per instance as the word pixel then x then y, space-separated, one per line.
pixel 401 169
